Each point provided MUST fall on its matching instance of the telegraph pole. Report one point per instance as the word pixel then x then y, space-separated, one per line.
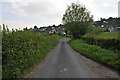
pixel 119 9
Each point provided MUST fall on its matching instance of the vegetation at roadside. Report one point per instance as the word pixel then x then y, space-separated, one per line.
pixel 23 49
pixel 96 53
pixel 68 39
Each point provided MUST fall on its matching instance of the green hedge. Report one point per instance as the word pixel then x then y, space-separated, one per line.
pixel 96 53
pixel 112 44
pixel 23 49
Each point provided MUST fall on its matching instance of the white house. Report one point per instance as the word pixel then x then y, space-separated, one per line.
pixel 111 29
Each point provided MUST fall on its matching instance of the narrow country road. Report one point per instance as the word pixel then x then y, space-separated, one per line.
pixel 63 62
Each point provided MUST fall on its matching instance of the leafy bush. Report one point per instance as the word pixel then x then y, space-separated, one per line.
pixel 96 53
pixel 95 30
pixel 23 49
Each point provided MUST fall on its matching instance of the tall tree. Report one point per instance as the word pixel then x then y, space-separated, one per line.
pixel 77 19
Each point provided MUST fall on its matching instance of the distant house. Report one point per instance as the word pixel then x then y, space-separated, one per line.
pixel 102 26
pixel 52 31
pixel 111 29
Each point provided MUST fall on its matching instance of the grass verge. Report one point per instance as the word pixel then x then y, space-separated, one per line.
pixel 96 53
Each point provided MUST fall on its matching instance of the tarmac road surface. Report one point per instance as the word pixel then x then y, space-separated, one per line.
pixel 63 62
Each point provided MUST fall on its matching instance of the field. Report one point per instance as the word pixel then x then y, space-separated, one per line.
pixel 96 53
pixel 108 35
pixel 21 50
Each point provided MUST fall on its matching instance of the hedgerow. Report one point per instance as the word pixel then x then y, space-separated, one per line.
pixel 107 40
pixel 23 49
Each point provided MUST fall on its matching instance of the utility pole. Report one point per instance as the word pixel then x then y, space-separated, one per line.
pixel 119 9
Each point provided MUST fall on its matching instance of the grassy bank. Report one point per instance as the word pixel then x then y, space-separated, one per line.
pixel 96 53
pixel 23 49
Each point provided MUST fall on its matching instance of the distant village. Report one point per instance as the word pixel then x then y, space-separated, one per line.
pixel 111 24
pixel 50 29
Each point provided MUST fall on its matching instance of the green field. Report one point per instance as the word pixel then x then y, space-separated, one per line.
pixel 108 35
pixel 104 35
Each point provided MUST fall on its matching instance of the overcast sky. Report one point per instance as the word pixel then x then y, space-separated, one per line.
pixel 27 13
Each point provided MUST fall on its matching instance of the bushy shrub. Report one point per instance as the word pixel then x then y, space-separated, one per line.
pixel 95 30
